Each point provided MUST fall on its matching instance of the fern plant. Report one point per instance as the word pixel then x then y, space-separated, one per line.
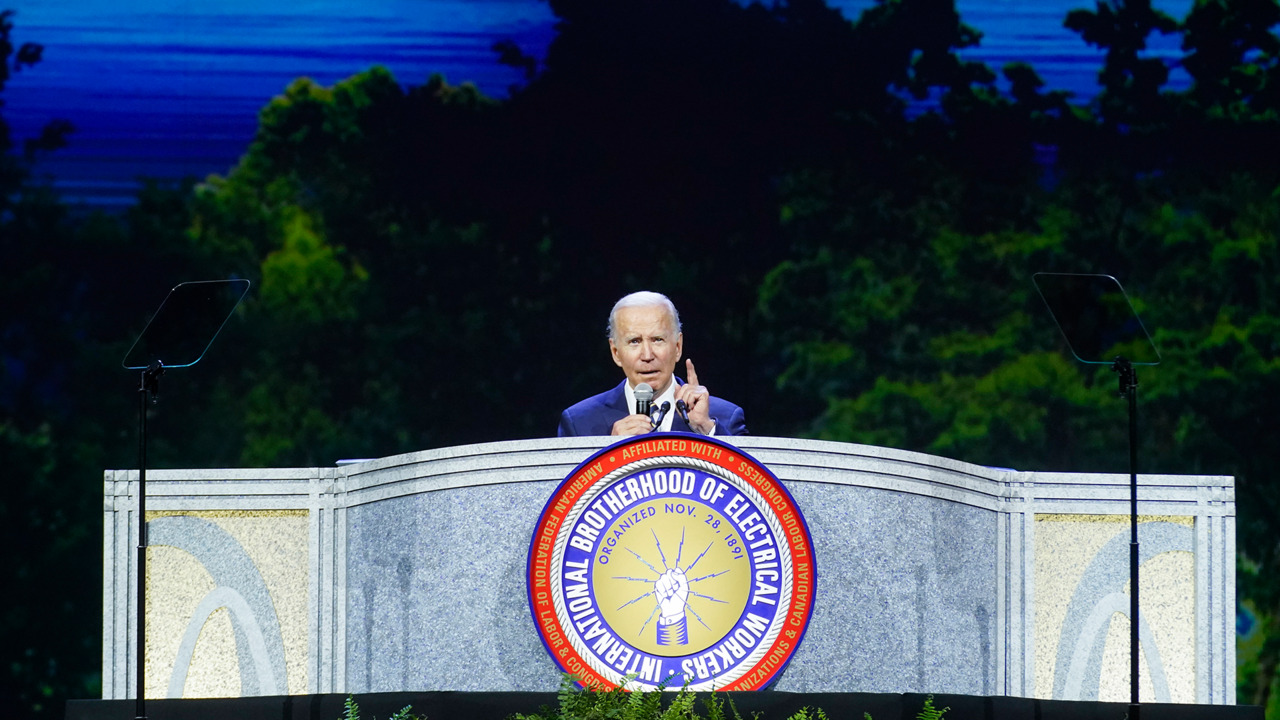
pixel 929 712
pixel 352 711
pixel 715 704
pixel 601 703
pixel 596 702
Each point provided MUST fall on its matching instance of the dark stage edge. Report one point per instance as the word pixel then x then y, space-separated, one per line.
pixel 770 705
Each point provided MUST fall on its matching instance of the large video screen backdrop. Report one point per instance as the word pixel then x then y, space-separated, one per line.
pixel 437 202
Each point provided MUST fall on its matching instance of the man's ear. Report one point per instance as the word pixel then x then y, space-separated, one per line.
pixel 679 346
pixel 613 351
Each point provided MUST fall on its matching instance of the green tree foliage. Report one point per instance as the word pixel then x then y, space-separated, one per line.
pixel 665 127
pixel 379 291
pixel 1130 83
pixel 1232 55
pixel 393 219
pixel 47 519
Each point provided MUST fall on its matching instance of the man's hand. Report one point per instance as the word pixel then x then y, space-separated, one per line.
pixel 698 400
pixel 636 424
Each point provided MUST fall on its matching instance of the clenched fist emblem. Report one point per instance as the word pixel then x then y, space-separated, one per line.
pixel 672 593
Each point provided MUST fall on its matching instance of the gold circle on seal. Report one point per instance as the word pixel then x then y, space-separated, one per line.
pixel 654 537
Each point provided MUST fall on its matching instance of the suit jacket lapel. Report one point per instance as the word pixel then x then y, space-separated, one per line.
pixel 618 399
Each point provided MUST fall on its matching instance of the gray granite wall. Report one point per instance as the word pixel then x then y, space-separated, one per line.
pixel 435 594
pixel 906 594
pixel 933 575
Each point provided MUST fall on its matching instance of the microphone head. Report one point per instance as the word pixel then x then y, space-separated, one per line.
pixel 644 392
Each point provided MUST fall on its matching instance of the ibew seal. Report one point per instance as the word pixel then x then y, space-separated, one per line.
pixel 671 560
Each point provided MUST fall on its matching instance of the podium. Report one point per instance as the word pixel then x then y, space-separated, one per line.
pixel 406 573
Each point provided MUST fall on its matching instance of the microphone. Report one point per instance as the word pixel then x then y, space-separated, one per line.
pixel 644 396
pixel 683 411
pixel 658 414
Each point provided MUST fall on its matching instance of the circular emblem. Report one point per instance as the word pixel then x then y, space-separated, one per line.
pixel 671 559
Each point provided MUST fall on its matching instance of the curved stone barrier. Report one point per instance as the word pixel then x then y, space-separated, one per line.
pixel 933 575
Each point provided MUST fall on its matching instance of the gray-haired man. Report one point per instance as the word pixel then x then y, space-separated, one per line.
pixel 646 342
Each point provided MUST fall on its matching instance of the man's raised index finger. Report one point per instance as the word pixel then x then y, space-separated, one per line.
pixel 693 374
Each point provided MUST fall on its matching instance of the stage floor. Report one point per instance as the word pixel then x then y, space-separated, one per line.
pixel 771 706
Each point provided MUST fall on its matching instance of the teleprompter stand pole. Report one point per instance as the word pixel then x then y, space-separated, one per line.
pixel 1129 390
pixel 177 336
pixel 148 392
pixel 1101 327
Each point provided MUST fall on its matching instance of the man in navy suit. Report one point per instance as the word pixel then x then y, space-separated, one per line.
pixel 646 342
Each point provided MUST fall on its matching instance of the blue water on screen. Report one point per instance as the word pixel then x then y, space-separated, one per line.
pixel 172 88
